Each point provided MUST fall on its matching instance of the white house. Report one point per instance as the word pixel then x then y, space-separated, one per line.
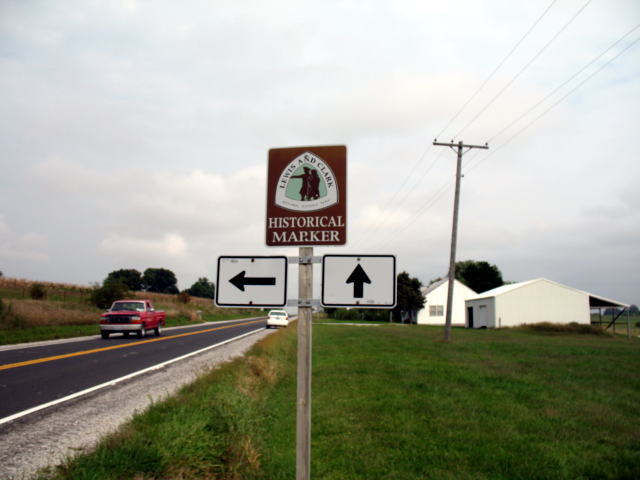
pixel 435 305
pixel 533 301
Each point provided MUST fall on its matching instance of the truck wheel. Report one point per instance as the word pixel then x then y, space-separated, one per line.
pixel 104 335
pixel 143 331
pixel 158 330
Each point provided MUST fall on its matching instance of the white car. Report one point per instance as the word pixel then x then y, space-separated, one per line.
pixel 277 318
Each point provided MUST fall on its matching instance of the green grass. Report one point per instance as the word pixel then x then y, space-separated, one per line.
pixel 181 320
pixel 54 332
pixel 45 332
pixel 395 402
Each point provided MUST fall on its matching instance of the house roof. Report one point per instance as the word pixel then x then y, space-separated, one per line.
pixel 433 286
pixel 594 300
pixel 426 290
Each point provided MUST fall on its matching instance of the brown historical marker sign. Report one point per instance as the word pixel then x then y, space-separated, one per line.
pixel 307 196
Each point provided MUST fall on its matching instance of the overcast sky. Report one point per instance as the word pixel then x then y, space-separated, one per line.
pixel 135 134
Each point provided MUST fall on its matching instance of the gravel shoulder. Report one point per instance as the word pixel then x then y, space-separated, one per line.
pixel 46 438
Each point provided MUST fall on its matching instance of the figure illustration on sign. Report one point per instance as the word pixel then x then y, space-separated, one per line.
pixel 306 181
pixel 314 185
pixel 306 184
pixel 310 189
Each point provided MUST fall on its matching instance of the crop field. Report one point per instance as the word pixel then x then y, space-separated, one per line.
pixel 395 402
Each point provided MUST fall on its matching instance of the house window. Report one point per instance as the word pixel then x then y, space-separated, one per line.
pixel 436 310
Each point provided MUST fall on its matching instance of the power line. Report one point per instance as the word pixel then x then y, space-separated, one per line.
pixel 555 90
pixel 444 187
pixel 382 220
pixel 555 104
pixel 496 69
pixel 425 206
pixel 406 195
pixel 515 77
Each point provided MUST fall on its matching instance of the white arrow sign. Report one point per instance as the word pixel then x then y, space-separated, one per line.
pixel 362 281
pixel 251 282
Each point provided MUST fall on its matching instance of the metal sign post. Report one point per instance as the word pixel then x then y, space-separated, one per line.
pixel 306 206
pixel 303 410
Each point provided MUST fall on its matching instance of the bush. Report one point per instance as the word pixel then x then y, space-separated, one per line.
pixel 368 314
pixel 203 288
pixel 9 319
pixel 110 291
pixel 184 297
pixel 37 291
pixel 572 327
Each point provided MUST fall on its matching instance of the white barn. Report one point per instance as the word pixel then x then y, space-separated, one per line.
pixel 533 301
pixel 435 305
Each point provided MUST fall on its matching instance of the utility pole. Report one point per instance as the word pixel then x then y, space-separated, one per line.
pixel 460 146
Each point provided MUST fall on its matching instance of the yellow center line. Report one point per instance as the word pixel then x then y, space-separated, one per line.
pixel 114 347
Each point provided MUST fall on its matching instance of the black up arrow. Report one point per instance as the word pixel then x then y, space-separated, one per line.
pixel 240 280
pixel 358 277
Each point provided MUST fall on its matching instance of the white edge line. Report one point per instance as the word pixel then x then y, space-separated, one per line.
pixel 15 416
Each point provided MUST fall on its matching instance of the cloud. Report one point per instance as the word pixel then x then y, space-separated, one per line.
pixel 14 247
pixel 137 132
pixel 195 202
pixel 121 245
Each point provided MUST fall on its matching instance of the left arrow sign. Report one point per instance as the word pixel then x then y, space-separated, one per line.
pixel 240 281
pixel 251 281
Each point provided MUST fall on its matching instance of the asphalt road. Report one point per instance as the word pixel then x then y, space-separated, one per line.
pixel 33 376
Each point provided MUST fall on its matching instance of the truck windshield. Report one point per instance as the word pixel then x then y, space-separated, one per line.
pixel 127 306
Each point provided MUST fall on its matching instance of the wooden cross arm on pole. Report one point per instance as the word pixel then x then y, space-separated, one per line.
pixel 452 144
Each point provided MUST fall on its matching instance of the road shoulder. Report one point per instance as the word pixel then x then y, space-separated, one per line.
pixel 76 426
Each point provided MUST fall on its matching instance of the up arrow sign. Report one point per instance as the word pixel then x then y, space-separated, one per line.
pixel 358 277
pixel 339 272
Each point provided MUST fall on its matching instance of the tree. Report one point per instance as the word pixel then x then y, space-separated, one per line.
pixel 184 297
pixel 203 288
pixel 37 291
pixel 410 298
pixel 478 276
pixel 130 276
pixel 633 310
pixel 160 280
pixel 110 291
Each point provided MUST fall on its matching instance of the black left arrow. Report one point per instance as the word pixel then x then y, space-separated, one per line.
pixel 358 277
pixel 240 281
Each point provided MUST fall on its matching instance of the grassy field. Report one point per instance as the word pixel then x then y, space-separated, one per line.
pixel 65 312
pixel 394 402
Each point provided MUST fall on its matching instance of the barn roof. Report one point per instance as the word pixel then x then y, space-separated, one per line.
pixel 595 301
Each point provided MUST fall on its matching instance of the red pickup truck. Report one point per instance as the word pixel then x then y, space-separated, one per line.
pixel 128 316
